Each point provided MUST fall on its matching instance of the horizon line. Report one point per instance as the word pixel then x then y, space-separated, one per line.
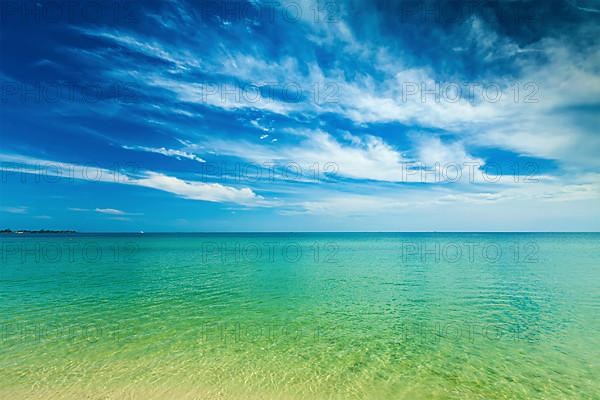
pixel 73 231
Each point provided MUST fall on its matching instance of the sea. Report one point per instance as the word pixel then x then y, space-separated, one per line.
pixel 300 316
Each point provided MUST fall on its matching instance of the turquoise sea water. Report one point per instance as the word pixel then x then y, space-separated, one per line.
pixel 300 316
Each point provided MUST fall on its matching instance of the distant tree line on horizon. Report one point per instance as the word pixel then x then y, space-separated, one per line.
pixel 36 231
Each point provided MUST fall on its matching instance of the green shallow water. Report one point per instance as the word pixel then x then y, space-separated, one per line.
pixel 319 316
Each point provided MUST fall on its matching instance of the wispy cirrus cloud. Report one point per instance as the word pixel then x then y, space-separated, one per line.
pixel 15 210
pixel 194 190
pixel 562 78
pixel 178 154
pixel 111 211
pixel 347 94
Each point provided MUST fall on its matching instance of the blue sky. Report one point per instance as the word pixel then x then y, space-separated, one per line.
pixel 300 116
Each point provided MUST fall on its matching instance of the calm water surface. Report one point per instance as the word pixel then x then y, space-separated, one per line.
pixel 300 316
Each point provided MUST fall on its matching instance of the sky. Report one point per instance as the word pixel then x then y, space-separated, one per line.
pixel 300 115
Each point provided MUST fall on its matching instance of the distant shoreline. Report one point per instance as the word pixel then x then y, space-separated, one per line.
pixel 36 231
pixel 225 233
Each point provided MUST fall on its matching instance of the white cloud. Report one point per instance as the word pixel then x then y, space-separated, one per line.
pixel 369 157
pixel 182 59
pixel 431 150
pixel 213 192
pixel 566 79
pixel 241 97
pixel 392 201
pixel 194 190
pixel 256 124
pixel 178 154
pixel 14 210
pixel 110 211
